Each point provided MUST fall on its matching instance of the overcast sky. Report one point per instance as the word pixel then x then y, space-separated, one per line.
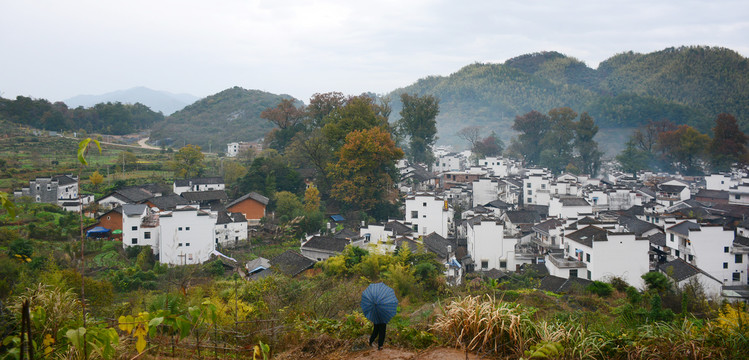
pixel 58 49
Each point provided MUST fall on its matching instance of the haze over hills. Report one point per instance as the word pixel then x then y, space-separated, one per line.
pixel 688 85
pixel 212 122
pixel 162 101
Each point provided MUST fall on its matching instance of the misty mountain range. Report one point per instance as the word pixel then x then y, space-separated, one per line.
pixel 162 101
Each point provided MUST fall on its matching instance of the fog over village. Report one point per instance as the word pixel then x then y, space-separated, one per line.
pixel 397 181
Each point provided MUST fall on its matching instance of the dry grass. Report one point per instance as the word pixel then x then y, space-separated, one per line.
pixel 483 324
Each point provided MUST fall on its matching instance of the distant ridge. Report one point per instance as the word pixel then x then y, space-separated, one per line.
pixel 163 101
pixel 687 85
pixel 212 122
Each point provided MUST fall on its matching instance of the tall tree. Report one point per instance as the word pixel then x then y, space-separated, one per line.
pixel 532 128
pixel 728 146
pixel 491 145
pixel 557 141
pixel 419 123
pixel 633 159
pixel 188 162
pixel 365 172
pixel 589 157
pixel 683 148
pixel 288 118
pixel 471 134
pixel 321 105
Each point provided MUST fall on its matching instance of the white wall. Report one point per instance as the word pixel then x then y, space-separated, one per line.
pixel 484 191
pixel 708 248
pixel 718 182
pixel 536 190
pixel 230 234
pixel 186 237
pixel 428 214
pixel 486 242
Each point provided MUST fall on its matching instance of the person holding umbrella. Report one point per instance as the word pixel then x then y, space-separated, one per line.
pixel 379 304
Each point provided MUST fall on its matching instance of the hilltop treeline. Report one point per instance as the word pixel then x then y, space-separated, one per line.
pixel 107 118
pixel 687 85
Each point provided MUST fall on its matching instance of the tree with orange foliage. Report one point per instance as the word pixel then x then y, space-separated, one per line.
pixel 365 171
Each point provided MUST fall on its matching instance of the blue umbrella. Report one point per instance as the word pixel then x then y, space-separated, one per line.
pixel 378 303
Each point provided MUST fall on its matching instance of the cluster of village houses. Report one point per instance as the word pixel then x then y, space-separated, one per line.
pixel 491 216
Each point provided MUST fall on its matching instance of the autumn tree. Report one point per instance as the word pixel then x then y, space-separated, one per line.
pixel 359 113
pixel 96 179
pixel 419 123
pixel 365 172
pixel 589 157
pixel 288 119
pixel 728 145
pixel 188 162
pixel 311 200
pixel 532 128
pixel 683 148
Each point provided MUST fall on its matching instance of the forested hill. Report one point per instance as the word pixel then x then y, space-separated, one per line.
pixel 688 85
pixel 105 118
pixel 228 116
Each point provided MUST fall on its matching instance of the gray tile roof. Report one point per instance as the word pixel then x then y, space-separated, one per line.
pixel 168 202
pixel 636 225
pixel 658 239
pixel 133 209
pixel 587 235
pixel 683 228
pixel 680 270
pixel 203 196
pixel 398 228
pixel 291 263
pixel 326 243
pixel 523 216
pixel 573 201
pixel 438 245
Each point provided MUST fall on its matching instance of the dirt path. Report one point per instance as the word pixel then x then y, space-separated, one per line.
pixel 399 354
pixel 142 143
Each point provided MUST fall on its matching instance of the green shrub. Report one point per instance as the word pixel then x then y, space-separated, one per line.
pixel 601 288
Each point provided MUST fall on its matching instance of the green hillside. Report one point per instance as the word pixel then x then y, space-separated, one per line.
pixel 229 116
pixel 688 85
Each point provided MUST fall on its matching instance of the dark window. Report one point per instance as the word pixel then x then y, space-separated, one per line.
pixel 738 197
pixel 589 275
pixel 179 245
pixel 530 192
pixel 672 237
pixel 414 214
pixel 725 265
pixel 134 228
pixel 187 244
pixel 503 264
pixel 725 249
pixel 187 228
pixel 529 185
pixel 179 228
pixel 134 241
pixel 424 204
pixel 678 253
pixel 587 258
pixel 691 257
pixel 739 258
pixel 484 264
pixel 147 235
pixel 573 273
pixel 736 276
